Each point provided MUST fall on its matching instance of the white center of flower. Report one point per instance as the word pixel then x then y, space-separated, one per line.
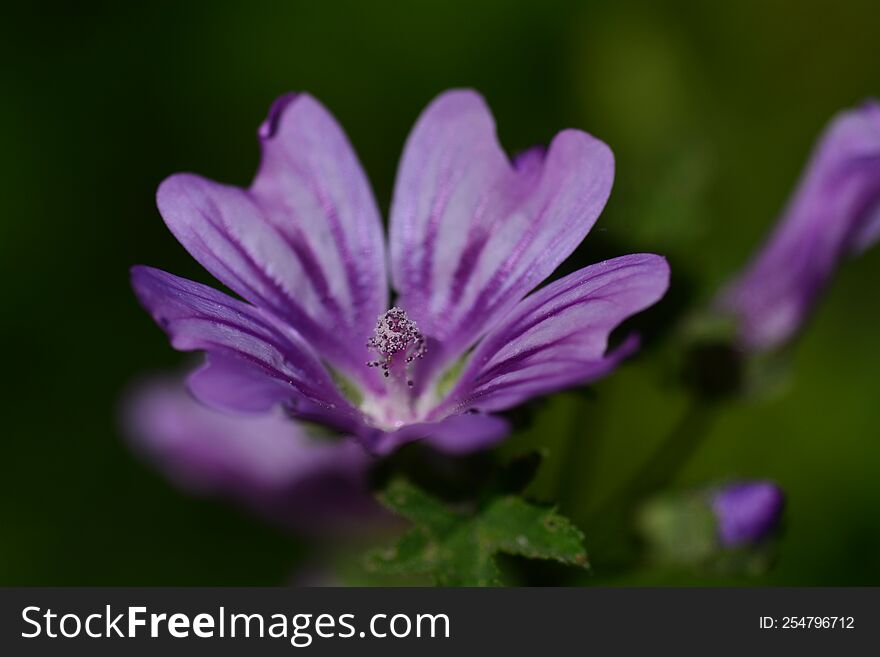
pixel 398 342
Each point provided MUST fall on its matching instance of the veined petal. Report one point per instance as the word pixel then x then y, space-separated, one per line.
pixel 232 384
pixel 197 317
pixel 267 462
pixel 315 190
pixel 304 242
pixel 470 234
pixel 558 336
pixel 834 212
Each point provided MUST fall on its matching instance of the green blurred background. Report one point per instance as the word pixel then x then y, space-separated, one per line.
pixel 710 107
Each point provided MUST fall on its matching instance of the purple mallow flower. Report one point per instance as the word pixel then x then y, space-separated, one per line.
pixel 747 512
pixel 470 236
pixel 835 213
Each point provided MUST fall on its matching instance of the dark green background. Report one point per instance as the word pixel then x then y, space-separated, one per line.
pixel 710 107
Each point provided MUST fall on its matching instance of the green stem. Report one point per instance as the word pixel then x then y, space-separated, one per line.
pixel 578 456
pixel 609 528
pixel 667 460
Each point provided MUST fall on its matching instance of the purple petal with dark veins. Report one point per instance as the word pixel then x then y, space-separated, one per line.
pixel 310 180
pixel 197 317
pixel 558 336
pixel 835 212
pixel 470 234
pixel 266 462
pixel 231 384
pixel 304 242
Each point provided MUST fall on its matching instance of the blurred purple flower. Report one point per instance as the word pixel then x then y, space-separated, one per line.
pixel 835 212
pixel 268 462
pixel 747 511
pixel 470 236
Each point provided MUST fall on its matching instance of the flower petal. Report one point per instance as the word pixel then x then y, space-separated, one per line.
pixel 197 317
pixel 310 179
pixel 267 462
pixel 834 212
pixel 305 242
pixel 558 336
pixel 456 434
pixel 868 231
pixel 470 234
pixel 469 432
pixel 233 385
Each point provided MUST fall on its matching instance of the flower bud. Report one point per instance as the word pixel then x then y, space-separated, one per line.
pixel 833 214
pixel 747 512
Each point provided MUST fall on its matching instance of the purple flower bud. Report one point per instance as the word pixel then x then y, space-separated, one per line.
pixel 834 213
pixel 747 511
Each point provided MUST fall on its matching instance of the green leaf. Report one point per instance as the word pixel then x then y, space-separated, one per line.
pixel 455 548
pixel 515 526
pixel 416 505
